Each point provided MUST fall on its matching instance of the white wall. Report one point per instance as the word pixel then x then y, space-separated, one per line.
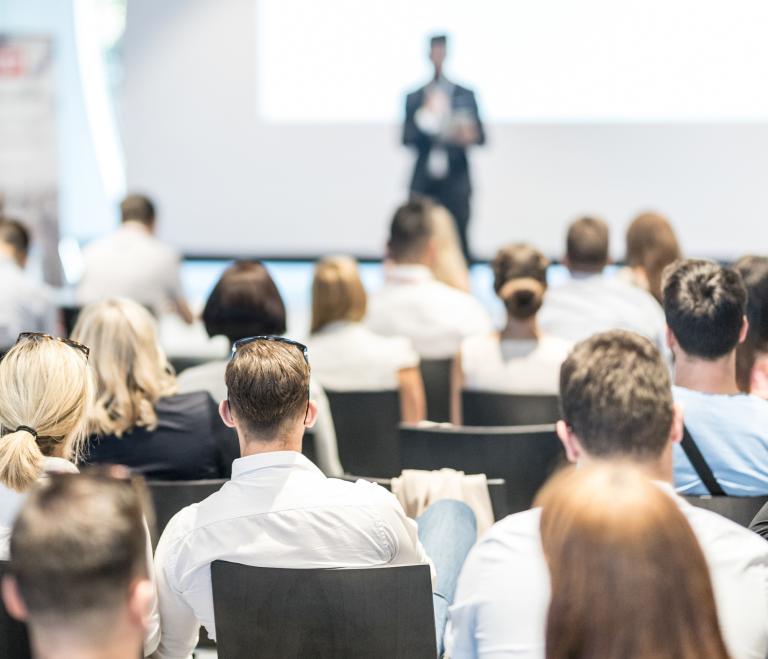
pixel 228 183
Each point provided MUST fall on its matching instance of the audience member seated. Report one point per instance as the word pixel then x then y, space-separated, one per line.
pixel 628 576
pixel 705 305
pixel 617 404
pixel 138 420
pixel 133 263
pixel 591 302
pixel 435 316
pixel 46 392
pixel 25 304
pixel 346 354
pixel 245 302
pixel 752 354
pixel 449 266
pixel 519 359
pixel 78 572
pixel 279 510
pixel 651 247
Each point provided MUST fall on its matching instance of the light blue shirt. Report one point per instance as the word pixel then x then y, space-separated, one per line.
pixel 732 435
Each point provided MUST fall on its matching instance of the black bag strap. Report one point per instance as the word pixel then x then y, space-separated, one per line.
pixel 700 465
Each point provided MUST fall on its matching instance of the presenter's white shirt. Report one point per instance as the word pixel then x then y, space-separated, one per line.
pixel 434 316
pixel 502 598
pixel 277 511
pixel 348 356
pixel 588 304
pixel 25 304
pixel 131 263
pixel 519 366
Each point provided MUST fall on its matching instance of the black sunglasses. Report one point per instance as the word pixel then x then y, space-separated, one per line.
pixel 35 336
pixel 270 337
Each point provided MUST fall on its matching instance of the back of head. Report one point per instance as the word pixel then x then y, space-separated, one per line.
pixel 337 292
pixel 14 234
pixel 754 272
pixel 267 387
pixel 704 304
pixel 652 245
pixel 46 392
pixel 520 279
pixel 137 208
pixel 244 302
pixel 411 231
pixel 616 397
pixel 587 245
pixel 77 546
pixel 132 371
pixel 628 576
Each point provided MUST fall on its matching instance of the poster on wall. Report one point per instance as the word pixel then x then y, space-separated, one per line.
pixel 28 163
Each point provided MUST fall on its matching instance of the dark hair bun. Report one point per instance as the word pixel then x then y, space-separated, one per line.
pixel 523 297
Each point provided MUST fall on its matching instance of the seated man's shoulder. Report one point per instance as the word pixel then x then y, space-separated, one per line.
pixel 516 532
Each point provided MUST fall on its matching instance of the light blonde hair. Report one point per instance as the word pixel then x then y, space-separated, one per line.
pixel 48 387
pixel 337 292
pixel 132 371
pixel 449 266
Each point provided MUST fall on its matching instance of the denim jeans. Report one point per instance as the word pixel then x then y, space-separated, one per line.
pixel 447 530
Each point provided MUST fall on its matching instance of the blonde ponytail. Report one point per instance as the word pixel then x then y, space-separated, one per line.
pixel 21 460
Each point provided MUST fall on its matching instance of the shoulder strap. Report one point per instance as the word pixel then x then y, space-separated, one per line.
pixel 700 464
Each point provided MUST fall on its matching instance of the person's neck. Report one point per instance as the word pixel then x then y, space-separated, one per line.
pixel 253 445
pixel 584 272
pixel 521 330
pixel 661 469
pixel 716 376
pixel 122 643
pixel 8 253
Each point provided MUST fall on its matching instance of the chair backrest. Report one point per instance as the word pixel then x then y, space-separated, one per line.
pixel 486 408
pixel 70 314
pixel 276 613
pixel 524 456
pixel 741 510
pixel 169 497
pixel 366 431
pixel 14 640
pixel 308 447
pixel 436 374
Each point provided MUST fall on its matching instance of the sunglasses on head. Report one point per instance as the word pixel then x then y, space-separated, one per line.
pixel 36 336
pixel 269 337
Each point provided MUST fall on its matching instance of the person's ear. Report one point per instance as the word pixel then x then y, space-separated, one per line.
pixel 671 340
pixel 311 417
pixel 744 330
pixel 12 599
pixel 573 450
pixel 676 429
pixel 140 598
pixel 226 414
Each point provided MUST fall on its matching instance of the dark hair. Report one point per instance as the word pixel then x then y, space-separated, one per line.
pixel 520 279
pixel 587 244
pixel 754 272
pixel 267 385
pixel 77 544
pixel 705 305
pixel 616 396
pixel 15 234
pixel 652 246
pixel 410 230
pixel 137 208
pixel 244 302
pixel 438 40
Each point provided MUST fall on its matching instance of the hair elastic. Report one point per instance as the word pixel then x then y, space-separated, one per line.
pixel 31 431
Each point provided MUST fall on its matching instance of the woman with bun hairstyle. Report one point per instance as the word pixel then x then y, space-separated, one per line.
pixel 519 359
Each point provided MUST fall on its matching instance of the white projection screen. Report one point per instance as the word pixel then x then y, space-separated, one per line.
pixel 272 127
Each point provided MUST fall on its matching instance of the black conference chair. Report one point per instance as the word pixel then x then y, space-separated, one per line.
pixel 14 641
pixel 741 510
pixel 169 497
pixel 69 315
pixel 524 456
pixel 497 491
pixel 436 374
pixel 308 447
pixel 486 408
pixel 275 613
pixel 366 431
pixel 759 523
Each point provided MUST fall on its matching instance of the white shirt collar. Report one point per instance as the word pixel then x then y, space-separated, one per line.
pixel 411 273
pixel 243 467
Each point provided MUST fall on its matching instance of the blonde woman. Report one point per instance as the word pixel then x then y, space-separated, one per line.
pixel 449 266
pixel 138 420
pixel 346 355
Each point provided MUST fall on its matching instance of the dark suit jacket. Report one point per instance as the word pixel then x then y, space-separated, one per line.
pixel 462 99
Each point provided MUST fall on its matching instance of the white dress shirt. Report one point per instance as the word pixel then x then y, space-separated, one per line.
pixel 520 366
pixel 277 511
pixel 434 316
pixel 502 599
pixel 588 304
pixel 348 356
pixel 131 263
pixel 10 503
pixel 25 304
pixel 210 377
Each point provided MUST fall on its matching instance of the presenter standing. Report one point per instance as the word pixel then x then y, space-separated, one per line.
pixel 441 121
